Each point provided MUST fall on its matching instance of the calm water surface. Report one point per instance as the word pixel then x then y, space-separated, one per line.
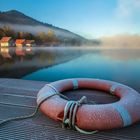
pixel 51 64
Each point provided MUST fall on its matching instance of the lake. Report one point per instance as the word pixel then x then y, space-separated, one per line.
pixel 51 64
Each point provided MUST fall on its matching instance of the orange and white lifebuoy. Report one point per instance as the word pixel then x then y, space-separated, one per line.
pixel 119 114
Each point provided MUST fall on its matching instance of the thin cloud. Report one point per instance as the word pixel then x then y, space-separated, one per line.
pixel 128 8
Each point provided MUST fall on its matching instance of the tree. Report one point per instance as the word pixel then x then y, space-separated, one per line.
pixel 51 37
pixel 1 33
pixel 28 36
pixel 21 35
pixel 41 37
pixel 7 31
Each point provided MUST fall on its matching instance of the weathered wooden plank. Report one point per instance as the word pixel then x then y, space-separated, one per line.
pixel 21 84
pixel 8 111
pixel 14 91
pixel 18 100
pixel 27 130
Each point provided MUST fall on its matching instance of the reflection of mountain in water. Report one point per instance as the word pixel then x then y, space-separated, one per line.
pixel 17 62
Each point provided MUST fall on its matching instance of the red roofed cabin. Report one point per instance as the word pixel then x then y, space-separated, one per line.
pixel 30 43
pixel 6 42
pixel 20 42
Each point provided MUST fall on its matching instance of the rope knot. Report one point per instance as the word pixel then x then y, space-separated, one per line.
pixel 70 111
pixel 83 100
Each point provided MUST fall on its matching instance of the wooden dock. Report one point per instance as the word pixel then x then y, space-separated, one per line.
pixel 18 97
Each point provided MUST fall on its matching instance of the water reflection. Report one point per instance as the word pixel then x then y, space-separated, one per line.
pixel 24 60
pixel 117 65
pixel 121 54
pixel 29 50
pixel 5 52
pixel 20 51
pixel 50 64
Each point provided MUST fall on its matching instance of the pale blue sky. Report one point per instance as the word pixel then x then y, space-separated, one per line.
pixel 89 18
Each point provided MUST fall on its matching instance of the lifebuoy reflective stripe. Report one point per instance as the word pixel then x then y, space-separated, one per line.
pixel 122 113
pixel 126 118
pixel 75 84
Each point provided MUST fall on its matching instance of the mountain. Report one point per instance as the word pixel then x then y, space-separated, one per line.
pixel 21 22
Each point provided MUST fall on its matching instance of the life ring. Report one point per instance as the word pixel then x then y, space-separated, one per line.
pixel 122 113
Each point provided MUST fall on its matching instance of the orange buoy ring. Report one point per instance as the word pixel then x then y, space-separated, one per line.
pixel 122 113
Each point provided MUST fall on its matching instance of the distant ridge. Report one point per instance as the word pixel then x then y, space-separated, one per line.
pixel 16 17
pixel 21 22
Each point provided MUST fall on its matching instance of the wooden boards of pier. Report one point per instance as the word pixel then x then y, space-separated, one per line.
pixel 18 97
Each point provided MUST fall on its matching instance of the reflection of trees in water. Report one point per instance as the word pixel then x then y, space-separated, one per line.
pixel 5 57
pixel 48 58
pixel 5 63
pixel 22 63
pixel 19 65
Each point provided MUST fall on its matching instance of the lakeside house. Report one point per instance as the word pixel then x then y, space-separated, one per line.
pixel 20 42
pixel 6 42
pixel 30 43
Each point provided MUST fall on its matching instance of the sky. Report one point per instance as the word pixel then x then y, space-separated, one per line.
pixel 89 18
